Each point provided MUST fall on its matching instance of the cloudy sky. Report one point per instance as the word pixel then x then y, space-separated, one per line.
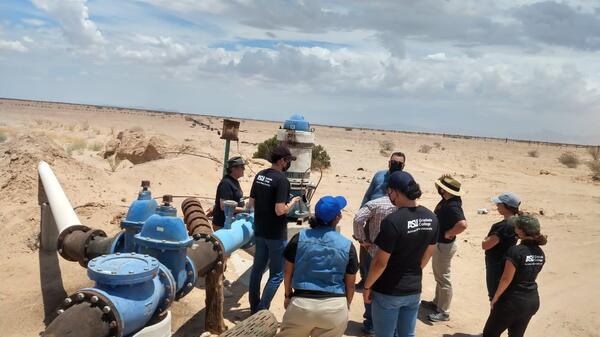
pixel 505 68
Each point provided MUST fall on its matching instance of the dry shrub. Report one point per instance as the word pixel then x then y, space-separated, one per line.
pixel 85 125
pixel 96 146
pixel 114 163
pixel 348 129
pixel 425 148
pixel 437 145
pixel 594 151
pixel 533 153
pixel 386 147
pixel 569 159
pixel 595 168
pixel 76 144
pixel 490 158
pixel 2 137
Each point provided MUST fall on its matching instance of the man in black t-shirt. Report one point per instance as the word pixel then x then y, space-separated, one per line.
pixel 452 222
pixel 269 198
pixel 229 189
pixel 406 242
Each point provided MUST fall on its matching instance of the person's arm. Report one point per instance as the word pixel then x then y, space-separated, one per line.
pixel 287 282
pixel 250 203
pixel 282 208
pixel 362 216
pixel 458 228
pixel 427 255
pixel 349 280
pixel 505 280
pixel 369 192
pixel 490 242
pixel 377 267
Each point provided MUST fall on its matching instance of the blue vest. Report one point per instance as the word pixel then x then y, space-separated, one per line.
pixel 321 260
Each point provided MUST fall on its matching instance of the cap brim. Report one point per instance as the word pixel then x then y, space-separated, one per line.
pixel 496 200
pixel 341 201
pixel 455 193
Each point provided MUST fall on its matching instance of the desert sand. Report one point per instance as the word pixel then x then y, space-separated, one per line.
pixel 70 138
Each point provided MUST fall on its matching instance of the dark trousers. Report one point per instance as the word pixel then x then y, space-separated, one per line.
pixel 512 314
pixel 493 272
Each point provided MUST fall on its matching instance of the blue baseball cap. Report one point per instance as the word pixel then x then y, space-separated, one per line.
pixel 507 198
pixel 329 207
pixel 400 180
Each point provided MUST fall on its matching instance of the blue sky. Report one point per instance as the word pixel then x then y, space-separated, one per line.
pixel 520 68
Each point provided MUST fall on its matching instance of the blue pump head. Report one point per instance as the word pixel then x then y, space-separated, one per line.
pixel 140 210
pixel 297 123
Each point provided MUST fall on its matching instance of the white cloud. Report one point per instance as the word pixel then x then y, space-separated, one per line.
pixel 74 21
pixel 12 46
pixel 27 39
pixel 34 22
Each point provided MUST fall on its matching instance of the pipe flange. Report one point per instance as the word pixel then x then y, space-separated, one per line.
pixel 166 278
pixel 90 235
pixel 64 234
pixel 190 279
pixel 95 299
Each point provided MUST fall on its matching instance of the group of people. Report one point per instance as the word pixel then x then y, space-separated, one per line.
pixel 397 238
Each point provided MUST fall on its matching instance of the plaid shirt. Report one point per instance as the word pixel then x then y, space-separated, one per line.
pixel 370 215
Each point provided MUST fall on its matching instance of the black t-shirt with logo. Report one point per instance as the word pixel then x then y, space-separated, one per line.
pixel 270 187
pixel 528 259
pixel 405 234
pixel 229 189
pixel 506 234
pixel 448 212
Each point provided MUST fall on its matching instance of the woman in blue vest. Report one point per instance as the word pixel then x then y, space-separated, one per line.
pixel 320 270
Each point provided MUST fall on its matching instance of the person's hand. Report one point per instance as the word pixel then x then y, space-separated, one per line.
pixel 209 212
pixel 493 302
pixel 367 296
pixel 295 200
pixel 286 302
pixel 365 244
pixel 449 236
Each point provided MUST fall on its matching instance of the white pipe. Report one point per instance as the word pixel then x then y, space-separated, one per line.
pixel 64 215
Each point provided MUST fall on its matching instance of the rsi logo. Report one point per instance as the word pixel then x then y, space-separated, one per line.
pixel 413 224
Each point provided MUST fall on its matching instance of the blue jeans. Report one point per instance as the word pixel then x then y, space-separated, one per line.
pixel 267 252
pixel 395 313
pixel 368 318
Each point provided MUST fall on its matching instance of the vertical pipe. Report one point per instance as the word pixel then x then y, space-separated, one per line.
pixel 227 144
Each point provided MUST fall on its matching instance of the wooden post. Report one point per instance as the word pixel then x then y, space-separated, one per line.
pixel 213 320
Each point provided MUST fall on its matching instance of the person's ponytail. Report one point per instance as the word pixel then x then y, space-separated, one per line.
pixel 413 191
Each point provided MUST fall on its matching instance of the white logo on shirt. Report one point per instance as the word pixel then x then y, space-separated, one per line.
pixel 263 180
pixel 534 260
pixel 416 225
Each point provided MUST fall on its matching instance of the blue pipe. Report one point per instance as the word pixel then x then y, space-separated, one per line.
pixel 239 234
pixel 139 211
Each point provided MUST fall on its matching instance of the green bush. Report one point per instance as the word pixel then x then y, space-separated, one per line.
pixel 265 148
pixel 96 146
pixel 2 137
pixel 320 158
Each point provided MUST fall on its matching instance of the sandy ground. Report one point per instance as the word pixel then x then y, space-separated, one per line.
pixel 570 201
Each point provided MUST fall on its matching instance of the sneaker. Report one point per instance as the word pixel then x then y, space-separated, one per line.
pixel 430 305
pixel 439 317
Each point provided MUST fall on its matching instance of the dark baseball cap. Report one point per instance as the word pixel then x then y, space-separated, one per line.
pixel 281 151
pixel 400 180
pixel 236 161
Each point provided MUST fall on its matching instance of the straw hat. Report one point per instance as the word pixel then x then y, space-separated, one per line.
pixel 449 184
